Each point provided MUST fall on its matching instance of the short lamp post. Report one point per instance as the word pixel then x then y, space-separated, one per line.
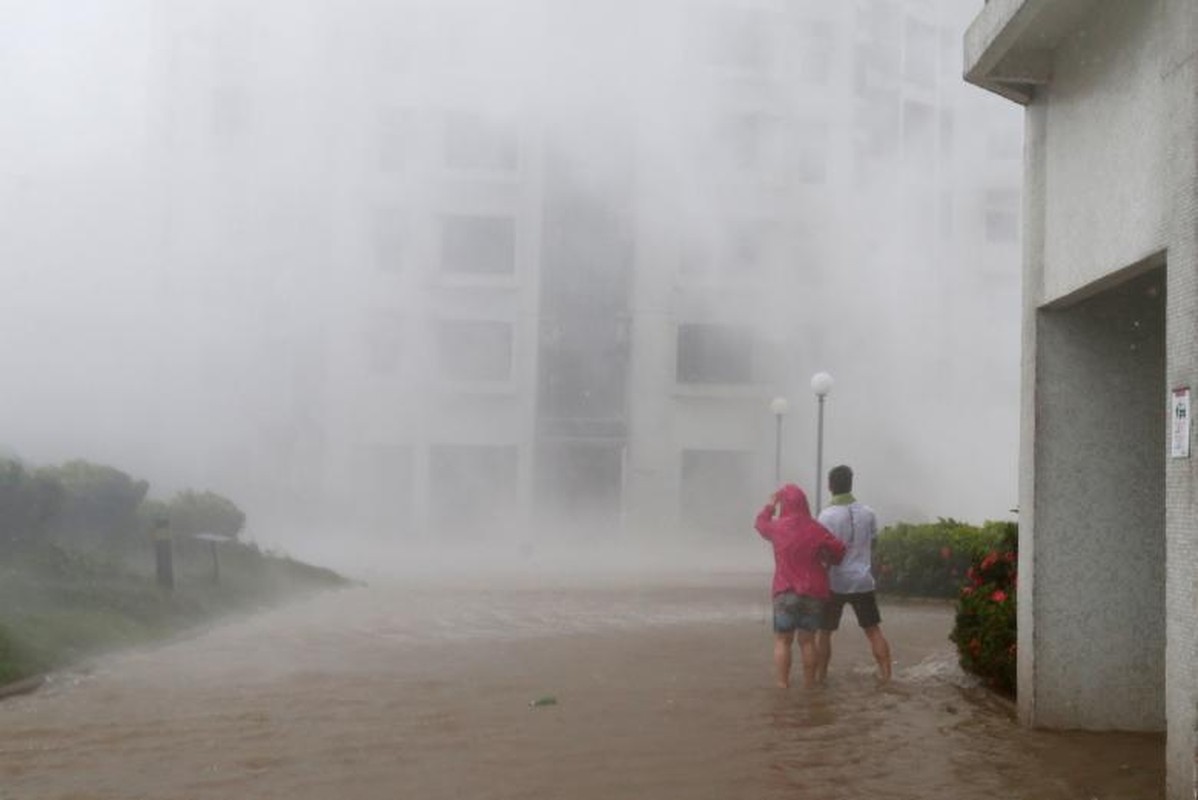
pixel 821 384
pixel 778 407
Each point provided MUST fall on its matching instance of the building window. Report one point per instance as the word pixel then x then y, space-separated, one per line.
pixel 471 488
pixel 735 39
pixel 583 367
pixel 741 251
pixel 580 484
pixel 946 132
pixel 816 51
pixel 394 139
pixel 709 353
pixel 231 114
pixel 919 132
pixel 947 221
pixel 716 487
pixel 879 45
pixel 920 49
pixel 474 350
pixel 392 30
pixel 478 245
pixel 386 483
pixel 389 239
pixel 475 143
pixel 752 143
pixel 752 247
pixel 384 342
pixel 811 138
pixel 878 120
pixel 1002 216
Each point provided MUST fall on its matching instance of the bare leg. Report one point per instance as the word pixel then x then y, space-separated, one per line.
pixel 782 642
pixel 823 655
pixel 881 651
pixel 807 652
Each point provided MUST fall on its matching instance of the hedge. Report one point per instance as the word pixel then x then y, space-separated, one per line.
pixel 931 560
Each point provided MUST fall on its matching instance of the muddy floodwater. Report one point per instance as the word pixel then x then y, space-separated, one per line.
pixel 663 689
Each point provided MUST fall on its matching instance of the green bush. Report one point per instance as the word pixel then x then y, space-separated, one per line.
pixel 98 505
pixel 59 604
pixel 16 662
pixel 27 503
pixel 205 512
pixel 985 630
pixel 149 512
pixel 931 560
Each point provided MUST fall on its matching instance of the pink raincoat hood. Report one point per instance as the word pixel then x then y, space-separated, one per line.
pixel 793 502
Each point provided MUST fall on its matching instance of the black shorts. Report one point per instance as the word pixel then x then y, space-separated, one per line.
pixel 865 606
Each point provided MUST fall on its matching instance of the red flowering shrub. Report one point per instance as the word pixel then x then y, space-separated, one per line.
pixel 930 560
pixel 985 632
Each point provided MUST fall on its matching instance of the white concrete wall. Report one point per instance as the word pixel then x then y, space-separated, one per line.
pixel 1112 180
pixel 1105 160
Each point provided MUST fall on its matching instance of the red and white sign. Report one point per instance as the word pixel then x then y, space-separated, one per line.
pixel 1181 423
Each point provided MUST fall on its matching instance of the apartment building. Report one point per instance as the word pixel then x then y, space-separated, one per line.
pixel 520 272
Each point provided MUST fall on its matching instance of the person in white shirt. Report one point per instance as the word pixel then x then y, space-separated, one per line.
pixel 852 580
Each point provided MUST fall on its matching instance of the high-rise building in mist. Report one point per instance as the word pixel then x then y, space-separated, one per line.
pixel 531 271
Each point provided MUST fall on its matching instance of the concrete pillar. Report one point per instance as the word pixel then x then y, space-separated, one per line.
pixel 1179 73
pixel 1034 191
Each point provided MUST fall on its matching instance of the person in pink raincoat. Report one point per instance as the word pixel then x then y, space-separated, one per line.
pixel 803 549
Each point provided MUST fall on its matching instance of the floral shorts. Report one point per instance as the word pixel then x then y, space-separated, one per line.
pixel 797 612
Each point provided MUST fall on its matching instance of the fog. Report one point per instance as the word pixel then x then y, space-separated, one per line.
pixel 521 277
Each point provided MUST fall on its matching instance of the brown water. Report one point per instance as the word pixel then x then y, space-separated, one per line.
pixel 663 689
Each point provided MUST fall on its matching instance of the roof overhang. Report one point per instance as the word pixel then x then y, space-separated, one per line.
pixel 1009 47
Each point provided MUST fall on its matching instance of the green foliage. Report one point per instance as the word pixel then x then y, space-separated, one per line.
pixel 77 571
pixel 149 512
pixel 931 560
pixel 98 505
pixel 27 503
pixel 16 662
pixel 59 604
pixel 205 512
pixel 985 630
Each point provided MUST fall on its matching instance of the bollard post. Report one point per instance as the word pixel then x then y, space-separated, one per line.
pixel 163 555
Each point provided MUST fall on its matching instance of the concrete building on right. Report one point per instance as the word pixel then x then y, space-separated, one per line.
pixel 1108 621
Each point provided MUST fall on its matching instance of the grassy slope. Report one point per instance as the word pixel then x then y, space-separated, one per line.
pixel 59 605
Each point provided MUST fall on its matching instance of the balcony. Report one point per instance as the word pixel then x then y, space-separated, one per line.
pixel 1009 47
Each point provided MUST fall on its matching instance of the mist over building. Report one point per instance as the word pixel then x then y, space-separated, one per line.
pixel 526 272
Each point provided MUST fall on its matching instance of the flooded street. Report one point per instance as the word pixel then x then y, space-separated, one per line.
pixel 663 690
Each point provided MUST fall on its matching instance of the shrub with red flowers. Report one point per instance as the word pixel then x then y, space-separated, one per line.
pixel 931 560
pixel 985 632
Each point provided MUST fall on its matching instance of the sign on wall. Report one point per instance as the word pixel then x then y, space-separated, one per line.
pixel 1181 422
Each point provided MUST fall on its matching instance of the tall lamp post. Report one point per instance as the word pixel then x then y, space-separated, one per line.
pixel 778 407
pixel 821 384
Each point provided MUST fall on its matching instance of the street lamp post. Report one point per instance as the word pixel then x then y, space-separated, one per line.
pixel 821 384
pixel 779 407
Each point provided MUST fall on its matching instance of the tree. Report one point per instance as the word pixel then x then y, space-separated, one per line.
pixel 98 503
pixel 205 512
pixel 27 502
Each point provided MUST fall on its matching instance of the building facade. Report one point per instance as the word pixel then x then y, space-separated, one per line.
pixel 519 273
pixel 1107 622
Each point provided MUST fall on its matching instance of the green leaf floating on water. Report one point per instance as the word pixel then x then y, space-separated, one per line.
pixel 546 700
